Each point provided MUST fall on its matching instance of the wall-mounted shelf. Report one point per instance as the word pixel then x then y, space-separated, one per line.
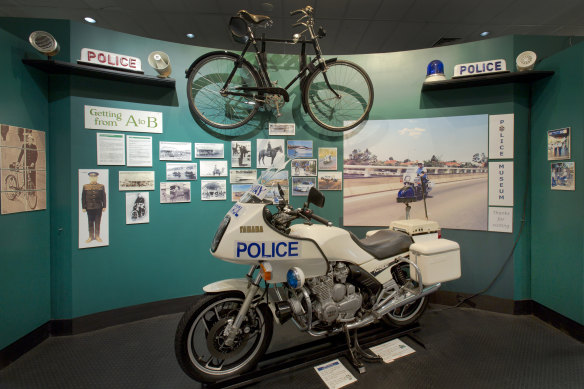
pixel 60 67
pixel 491 79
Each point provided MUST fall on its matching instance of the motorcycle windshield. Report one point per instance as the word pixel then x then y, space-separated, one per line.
pixel 265 189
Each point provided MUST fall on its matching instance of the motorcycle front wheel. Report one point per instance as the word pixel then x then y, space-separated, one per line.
pixel 409 313
pixel 200 341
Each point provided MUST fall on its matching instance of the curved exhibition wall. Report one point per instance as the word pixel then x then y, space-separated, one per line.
pixel 45 276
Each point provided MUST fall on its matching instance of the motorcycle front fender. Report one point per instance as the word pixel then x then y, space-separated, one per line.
pixel 233 284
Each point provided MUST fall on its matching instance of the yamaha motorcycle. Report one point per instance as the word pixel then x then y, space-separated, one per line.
pixel 323 278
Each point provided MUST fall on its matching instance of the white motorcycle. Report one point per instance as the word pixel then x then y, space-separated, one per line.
pixel 323 278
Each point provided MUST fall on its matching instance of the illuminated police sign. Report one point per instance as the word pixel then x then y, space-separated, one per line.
pixel 480 68
pixel 263 250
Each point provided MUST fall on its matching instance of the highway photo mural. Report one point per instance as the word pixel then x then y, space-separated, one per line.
pixel 382 156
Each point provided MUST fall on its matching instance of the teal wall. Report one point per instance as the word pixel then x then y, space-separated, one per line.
pixel 557 245
pixel 169 257
pixel 24 237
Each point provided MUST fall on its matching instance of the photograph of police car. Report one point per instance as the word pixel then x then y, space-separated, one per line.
pixel 301 185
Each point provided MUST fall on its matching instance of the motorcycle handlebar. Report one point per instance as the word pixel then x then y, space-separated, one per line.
pixel 308 213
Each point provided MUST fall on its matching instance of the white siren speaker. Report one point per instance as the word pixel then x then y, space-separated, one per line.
pixel 160 62
pixel 526 60
pixel 44 42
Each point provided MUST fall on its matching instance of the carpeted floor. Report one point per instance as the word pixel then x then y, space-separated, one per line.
pixel 465 348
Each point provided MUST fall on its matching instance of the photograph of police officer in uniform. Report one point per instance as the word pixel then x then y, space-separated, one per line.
pixel 93 211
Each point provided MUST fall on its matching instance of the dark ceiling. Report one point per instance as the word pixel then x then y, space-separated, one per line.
pixel 353 26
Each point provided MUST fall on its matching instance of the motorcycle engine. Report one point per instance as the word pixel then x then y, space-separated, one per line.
pixel 336 300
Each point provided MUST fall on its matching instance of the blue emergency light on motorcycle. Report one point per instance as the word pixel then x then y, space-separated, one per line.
pixel 435 71
pixel 295 278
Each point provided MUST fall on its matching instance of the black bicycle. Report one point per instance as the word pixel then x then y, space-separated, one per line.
pixel 225 90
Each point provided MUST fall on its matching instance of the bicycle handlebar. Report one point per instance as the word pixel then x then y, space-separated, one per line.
pixel 306 10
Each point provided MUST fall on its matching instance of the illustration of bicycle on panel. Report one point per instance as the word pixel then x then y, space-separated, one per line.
pixel 15 189
pixel 225 90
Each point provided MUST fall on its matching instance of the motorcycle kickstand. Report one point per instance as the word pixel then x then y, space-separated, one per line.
pixel 356 353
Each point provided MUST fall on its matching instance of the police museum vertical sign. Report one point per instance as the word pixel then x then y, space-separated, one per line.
pixel 501 184
pixel 501 129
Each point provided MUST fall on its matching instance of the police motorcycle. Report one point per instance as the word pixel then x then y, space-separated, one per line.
pixel 323 278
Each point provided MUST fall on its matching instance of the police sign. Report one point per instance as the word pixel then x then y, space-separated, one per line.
pixel 480 68
pixel 263 250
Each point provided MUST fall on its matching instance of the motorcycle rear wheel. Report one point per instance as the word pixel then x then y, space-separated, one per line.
pixel 406 315
pixel 199 341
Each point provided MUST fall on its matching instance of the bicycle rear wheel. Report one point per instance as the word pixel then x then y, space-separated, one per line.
pixel 355 96
pixel 204 86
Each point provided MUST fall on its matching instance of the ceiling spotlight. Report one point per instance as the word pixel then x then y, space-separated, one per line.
pixel 484 33
pixel 90 20
pixel 191 36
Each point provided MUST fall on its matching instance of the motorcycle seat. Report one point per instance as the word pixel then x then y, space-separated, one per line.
pixel 384 243
pixel 251 18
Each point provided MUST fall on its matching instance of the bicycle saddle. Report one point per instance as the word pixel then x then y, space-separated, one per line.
pixel 251 18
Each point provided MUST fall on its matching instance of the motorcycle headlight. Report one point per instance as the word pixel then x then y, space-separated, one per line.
pixel 295 278
pixel 220 232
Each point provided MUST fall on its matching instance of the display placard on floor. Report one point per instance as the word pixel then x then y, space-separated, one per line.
pixel 335 374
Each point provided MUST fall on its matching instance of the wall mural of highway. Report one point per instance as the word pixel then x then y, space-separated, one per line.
pixel 379 154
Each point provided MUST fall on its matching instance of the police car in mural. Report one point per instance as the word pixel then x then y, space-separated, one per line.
pixel 302 268
pixel 413 190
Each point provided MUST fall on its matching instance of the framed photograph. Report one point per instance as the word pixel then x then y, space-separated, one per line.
pixel 284 129
pixel 243 176
pixel 238 190
pixel 181 171
pixel 564 176
pixel 275 178
pixel 559 144
pixel 23 180
pixel 213 168
pixel 274 195
pixel 135 180
pixel 299 149
pixel 93 208
pixel 209 150
pixel 301 185
pixel 240 154
pixel 175 192
pixel 213 190
pixel 175 151
pixel 327 158
pixel 303 167
pixel 270 152
pixel 330 180
pixel 137 207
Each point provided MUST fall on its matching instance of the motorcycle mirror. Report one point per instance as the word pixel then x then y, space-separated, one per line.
pixel 315 197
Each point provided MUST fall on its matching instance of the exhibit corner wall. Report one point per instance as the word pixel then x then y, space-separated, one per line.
pixel 557 244
pixel 25 263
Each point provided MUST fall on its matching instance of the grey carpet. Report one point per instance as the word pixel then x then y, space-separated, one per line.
pixel 466 348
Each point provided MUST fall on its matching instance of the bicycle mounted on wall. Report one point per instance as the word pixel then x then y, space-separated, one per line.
pixel 225 90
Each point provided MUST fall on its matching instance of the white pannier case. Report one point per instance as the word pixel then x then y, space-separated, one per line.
pixel 438 260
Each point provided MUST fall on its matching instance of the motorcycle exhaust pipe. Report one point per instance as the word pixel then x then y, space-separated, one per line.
pixel 391 306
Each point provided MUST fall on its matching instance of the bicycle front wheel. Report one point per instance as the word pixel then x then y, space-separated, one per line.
pixel 339 98
pixel 228 109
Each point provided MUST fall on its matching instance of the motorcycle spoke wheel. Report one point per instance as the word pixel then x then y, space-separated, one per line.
pixel 200 340
pixel 347 104
pixel 206 101
pixel 12 186
pixel 409 313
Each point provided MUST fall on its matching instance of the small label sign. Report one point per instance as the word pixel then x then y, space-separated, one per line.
pixel 480 68
pixel 501 128
pixel 501 183
pixel 110 60
pixel 501 219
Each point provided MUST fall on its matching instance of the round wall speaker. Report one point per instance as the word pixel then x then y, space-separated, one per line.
pixel 161 63
pixel 44 42
pixel 526 60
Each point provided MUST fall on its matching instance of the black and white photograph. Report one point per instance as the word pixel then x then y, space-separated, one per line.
pixel 563 176
pixel 330 180
pixel 282 129
pixel 303 167
pixel 241 154
pixel 181 171
pixel 136 180
pixel 301 185
pixel 175 192
pixel 137 207
pixel 243 176
pixel 213 168
pixel 270 152
pixel 175 151
pixel 238 190
pixel 213 190
pixel 209 150
pixel 93 208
